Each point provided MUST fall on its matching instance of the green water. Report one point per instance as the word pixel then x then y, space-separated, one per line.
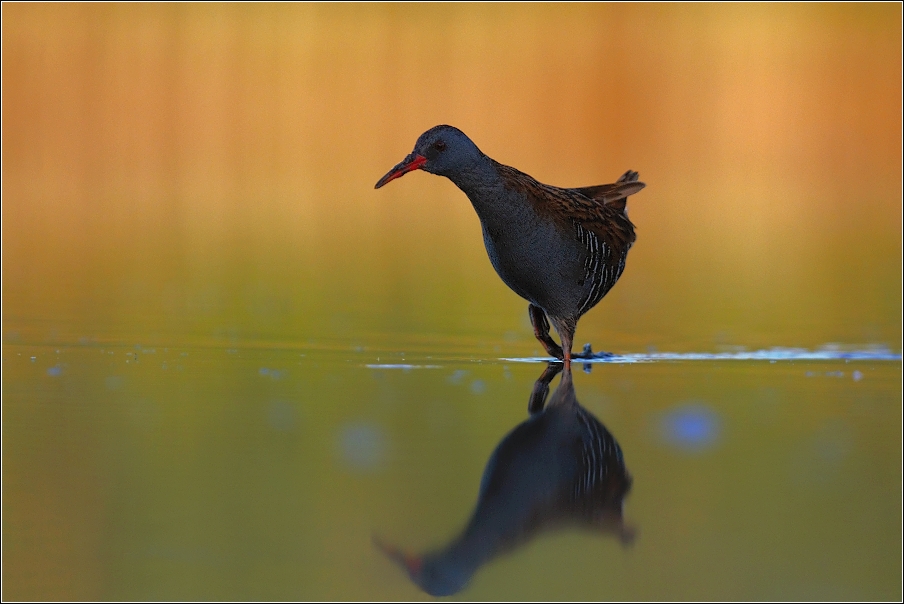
pixel 216 473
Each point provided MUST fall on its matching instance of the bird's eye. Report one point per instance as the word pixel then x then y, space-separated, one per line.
pixel 439 146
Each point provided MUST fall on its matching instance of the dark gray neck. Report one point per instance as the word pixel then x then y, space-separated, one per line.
pixel 496 524
pixel 464 556
pixel 494 203
pixel 477 175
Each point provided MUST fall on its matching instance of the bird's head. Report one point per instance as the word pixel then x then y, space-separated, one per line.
pixel 437 574
pixel 441 150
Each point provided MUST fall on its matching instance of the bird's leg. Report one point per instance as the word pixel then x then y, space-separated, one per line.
pixel 567 338
pixel 541 388
pixel 566 328
pixel 541 331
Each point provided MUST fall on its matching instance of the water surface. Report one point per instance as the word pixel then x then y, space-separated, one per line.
pixel 214 473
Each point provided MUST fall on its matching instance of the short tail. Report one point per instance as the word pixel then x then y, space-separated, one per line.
pixel 629 176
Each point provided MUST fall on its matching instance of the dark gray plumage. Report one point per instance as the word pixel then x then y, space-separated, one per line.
pixel 561 467
pixel 560 249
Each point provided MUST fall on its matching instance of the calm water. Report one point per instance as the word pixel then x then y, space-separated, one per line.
pixel 214 473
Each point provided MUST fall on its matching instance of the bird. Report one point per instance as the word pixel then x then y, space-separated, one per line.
pixel 559 468
pixel 561 249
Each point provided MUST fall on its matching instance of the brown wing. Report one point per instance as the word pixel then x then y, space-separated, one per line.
pixel 610 221
pixel 608 234
pixel 615 194
pixel 597 216
pixel 600 208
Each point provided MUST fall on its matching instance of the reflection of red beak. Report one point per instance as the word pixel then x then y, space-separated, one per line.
pixel 412 162
pixel 410 563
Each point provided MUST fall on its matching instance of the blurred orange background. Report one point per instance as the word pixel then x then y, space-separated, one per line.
pixel 205 172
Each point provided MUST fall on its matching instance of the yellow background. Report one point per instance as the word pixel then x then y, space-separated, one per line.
pixel 189 172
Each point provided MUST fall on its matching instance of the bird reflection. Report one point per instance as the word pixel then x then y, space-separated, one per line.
pixel 559 468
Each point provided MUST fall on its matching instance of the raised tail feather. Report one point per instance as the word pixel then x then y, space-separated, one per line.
pixel 617 193
pixel 629 176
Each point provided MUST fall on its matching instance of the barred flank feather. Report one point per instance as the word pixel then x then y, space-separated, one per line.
pixel 597 216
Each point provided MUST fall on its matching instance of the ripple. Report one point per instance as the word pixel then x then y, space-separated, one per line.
pixel 400 366
pixel 772 354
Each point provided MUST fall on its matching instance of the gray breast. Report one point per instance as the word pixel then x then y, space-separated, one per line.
pixel 539 264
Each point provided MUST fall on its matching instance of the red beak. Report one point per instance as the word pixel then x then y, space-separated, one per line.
pixel 412 162
pixel 410 563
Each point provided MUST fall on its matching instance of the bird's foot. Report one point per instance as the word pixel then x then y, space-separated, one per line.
pixel 588 353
